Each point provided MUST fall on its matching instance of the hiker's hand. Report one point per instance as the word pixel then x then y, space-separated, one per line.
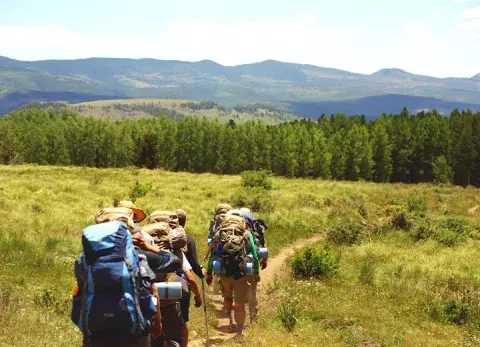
pixel 204 272
pixel 140 242
pixel 198 301
pixel 264 264
pixel 256 278
pixel 209 279
pixel 157 329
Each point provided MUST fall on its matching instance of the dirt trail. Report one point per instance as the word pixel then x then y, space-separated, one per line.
pixel 220 334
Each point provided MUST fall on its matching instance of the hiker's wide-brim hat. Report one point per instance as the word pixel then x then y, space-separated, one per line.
pixel 138 214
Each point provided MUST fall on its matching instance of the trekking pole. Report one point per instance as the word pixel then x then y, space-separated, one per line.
pixel 205 307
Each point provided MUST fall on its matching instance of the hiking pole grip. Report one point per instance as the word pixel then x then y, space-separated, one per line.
pixel 205 308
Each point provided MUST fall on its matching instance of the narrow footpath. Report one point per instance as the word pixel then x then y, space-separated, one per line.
pixel 220 334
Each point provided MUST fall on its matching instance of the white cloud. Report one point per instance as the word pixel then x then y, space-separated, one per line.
pixel 470 13
pixel 301 39
pixel 463 1
pixel 473 25
pixel 188 39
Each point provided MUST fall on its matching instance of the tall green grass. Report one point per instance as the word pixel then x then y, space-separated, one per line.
pixel 399 302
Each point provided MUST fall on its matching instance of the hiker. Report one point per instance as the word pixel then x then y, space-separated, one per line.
pixel 220 212
pixel 257 228
pixel 191 255
pixel 218 216
pixel 232 243
pixel 108 271
pixel 175 238
pixel 160 234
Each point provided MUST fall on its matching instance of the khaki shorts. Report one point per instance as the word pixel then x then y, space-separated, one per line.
pixel 234 289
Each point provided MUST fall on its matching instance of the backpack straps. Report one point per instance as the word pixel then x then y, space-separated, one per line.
pixel 135 295
pixel 85 329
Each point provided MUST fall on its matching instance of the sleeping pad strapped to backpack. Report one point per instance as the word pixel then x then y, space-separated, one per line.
pixel 112 295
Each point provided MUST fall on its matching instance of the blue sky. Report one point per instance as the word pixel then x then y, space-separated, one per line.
pixel 432 37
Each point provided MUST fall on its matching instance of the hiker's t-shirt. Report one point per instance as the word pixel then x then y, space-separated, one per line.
pixel 185 264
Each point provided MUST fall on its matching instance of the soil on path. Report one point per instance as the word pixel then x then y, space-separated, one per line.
pixel 220 334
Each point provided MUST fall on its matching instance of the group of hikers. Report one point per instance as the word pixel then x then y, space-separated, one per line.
pixel 134 284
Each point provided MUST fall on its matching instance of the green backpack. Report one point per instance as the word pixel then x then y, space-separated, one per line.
pixel 232 249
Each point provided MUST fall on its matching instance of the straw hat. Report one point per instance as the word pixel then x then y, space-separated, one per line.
pixel 138 214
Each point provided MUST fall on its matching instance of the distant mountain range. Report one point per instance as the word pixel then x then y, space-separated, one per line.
pixel 306 90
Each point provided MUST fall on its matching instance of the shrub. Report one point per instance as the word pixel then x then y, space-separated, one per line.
pixel 262 179
pixel 450 311
pixel 139 190
pixel 417 204
pixel 348 232
pixel 422 230
pixel 315 262
pixel 399 217
pixel 256 199
pixel 289 313
pixel 457 225
pixel 448 238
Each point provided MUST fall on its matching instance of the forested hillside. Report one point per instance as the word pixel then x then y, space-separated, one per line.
pixel 399 148
pixel 306 90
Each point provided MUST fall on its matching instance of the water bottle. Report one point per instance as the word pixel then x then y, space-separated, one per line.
pixel 263 253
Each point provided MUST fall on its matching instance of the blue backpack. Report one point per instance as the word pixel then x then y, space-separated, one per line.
pixel 112 295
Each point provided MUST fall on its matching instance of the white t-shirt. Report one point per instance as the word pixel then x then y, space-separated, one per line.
pixel 185 264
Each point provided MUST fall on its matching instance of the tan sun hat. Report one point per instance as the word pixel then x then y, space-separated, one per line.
pixel 138 214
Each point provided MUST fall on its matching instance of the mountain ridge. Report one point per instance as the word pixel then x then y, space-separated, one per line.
pixel 270 81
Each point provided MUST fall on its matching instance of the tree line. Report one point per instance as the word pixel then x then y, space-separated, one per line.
pixel 423 147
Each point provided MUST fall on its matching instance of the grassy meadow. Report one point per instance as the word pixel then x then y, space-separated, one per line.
pixel 408 271
pixel 143 108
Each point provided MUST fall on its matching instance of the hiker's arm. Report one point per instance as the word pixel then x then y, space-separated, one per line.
pixel 192 257
pixel 256 264
pixel 193 287
pixel 145 245
pixel 209 251
pixel 157 328
pixel 162 261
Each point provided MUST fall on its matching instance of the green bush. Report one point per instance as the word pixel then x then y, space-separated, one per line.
pixel 457 225
pixel 262 179
pixel 315 262
pixel 139 190
pixel 346 232
pixel 450 311
pixel 256 199
pixel 422 230
pixel 417 204
pixel 289 313
pixel 448 237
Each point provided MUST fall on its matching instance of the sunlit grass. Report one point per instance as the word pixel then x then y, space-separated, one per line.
pixel 44 209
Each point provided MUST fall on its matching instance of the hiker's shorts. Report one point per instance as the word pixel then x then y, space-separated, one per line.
pixel 234 289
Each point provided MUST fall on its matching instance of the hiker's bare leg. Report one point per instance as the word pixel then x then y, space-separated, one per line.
pixel 185 335
pixel 240 315
pixel 253 301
